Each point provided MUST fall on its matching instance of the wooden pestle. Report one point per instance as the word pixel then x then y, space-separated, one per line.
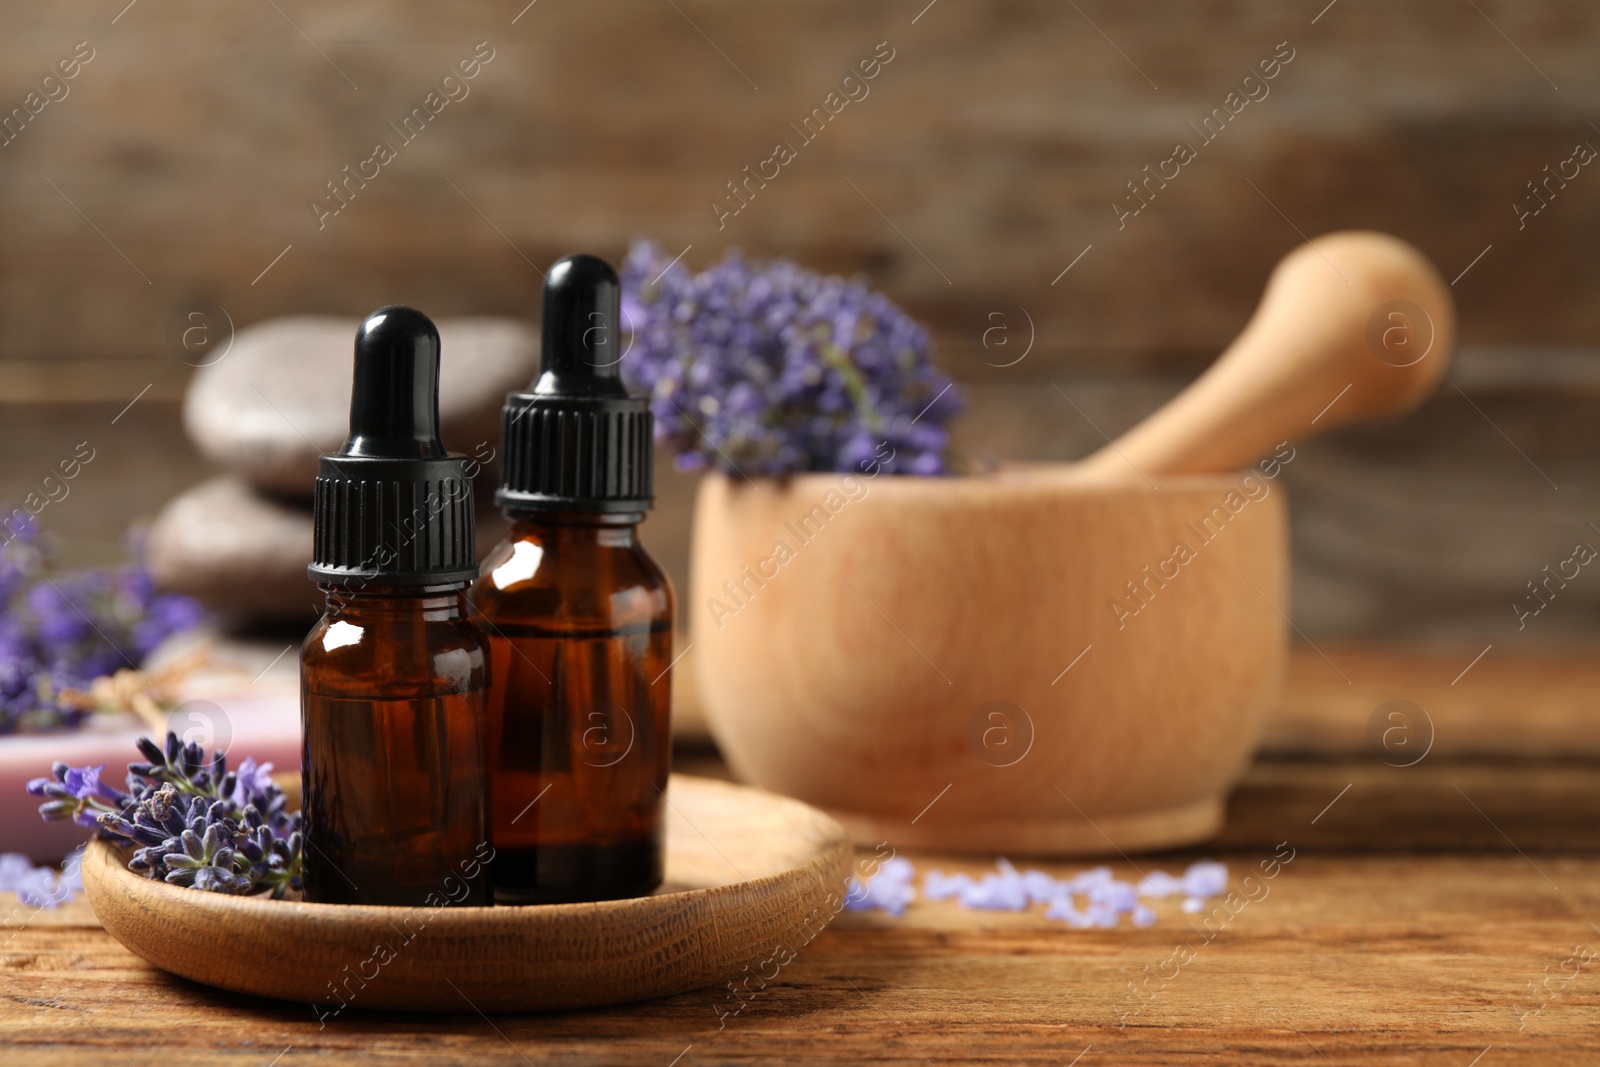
pixel 1352 326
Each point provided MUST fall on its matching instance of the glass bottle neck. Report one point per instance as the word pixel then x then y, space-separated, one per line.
pixel 611 529
pixel 434 602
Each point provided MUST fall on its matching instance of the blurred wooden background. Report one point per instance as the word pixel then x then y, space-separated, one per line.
pixel 984 161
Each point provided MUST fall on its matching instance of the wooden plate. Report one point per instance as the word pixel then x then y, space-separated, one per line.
pixel 751 877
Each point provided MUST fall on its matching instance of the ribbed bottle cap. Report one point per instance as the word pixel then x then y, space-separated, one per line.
pixel 392 507
pixel 576 441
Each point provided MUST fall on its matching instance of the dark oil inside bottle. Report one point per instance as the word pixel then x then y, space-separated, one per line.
pixel 579 718
pixel 581 762
pixel 394 757
pixel 396 801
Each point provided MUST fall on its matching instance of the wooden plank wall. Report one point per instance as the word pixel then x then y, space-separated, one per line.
pixel 984 158
pixel 978 163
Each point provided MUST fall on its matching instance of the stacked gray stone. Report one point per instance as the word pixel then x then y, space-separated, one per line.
pixel 277 399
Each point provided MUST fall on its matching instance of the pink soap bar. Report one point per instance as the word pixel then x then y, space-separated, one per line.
pixel 261 720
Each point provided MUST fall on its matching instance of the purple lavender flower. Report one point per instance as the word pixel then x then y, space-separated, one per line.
pixel 164 615
pixel 206 863
pixel 191 822
pixel 766 368
pixel 78 793
pixel 61 631
pixel 55 620
pixel 85 781
pixel 253 781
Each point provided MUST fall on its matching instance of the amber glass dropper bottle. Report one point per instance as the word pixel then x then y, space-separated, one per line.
pixel 579 618
pixel 394 677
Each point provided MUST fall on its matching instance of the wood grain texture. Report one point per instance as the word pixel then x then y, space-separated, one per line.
pixel 1462 697
pixel 1069 662
pixel 1361 806
pixel 1437 806
pixel 714 918
pixel 1351 957
pixel 997 141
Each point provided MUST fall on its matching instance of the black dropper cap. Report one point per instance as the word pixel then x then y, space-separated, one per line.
pixel 392 507
pixel 576 441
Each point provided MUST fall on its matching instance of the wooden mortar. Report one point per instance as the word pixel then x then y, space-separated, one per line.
pixel 1059 659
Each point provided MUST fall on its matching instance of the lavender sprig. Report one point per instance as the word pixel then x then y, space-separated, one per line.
pixel 61 631
pixel 192 822
pixel 767 368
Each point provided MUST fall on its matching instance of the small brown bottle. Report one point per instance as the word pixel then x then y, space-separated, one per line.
pixel 394 677
pixel 579 618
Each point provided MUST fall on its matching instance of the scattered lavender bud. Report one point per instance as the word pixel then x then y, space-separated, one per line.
pixel 1205 879
pixel 41 887
pixel 1061 908
pixel 896 869
pixel 13 866
pixel 1042 889
pixel 1159 884
pixel 1094 876
pixel 1006 889
pixel 1002 891
pixel 897 898
pixel 1119 897
pixel 940 886
pixel 866 897
pixel 889 890
pixel 72 870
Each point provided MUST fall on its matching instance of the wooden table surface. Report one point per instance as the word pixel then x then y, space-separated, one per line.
pixel 1446 912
